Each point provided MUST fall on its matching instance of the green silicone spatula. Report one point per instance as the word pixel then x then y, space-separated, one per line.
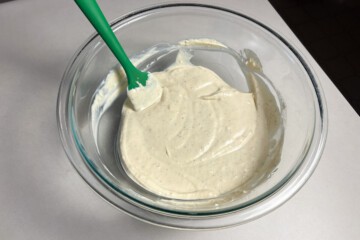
pixel 144 95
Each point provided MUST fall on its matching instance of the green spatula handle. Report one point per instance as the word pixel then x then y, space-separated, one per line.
pixel 92 11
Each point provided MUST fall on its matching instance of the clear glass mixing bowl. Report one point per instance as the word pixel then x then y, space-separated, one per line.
pixel 95 156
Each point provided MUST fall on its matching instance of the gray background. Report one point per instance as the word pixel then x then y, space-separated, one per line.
pixel 42 196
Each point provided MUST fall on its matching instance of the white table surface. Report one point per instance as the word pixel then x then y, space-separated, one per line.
pixel 43 197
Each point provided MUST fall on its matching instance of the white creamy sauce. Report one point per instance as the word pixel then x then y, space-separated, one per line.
pixel 113 85
pixel 202 138
pixel 205 42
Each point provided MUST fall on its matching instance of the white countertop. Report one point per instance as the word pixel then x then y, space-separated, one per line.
pixel 43 197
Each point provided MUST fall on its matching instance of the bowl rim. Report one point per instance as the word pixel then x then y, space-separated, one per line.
pixel 270 200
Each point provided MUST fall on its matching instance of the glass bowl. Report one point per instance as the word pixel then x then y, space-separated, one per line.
pixel 93 151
